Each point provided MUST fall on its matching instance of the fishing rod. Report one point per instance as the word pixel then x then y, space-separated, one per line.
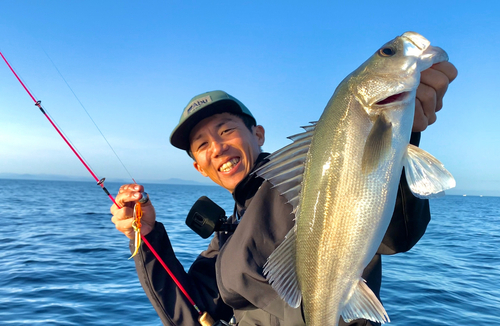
pixel 204 318
pixel 100 182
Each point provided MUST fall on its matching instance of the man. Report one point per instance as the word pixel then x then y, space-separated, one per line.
pixel 223 138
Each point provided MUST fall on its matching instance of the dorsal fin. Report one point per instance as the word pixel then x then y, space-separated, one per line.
pixel 286 166
pixel 280 271
pixel 285 171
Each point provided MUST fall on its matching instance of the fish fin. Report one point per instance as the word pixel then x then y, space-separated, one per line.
pixel 363 303
pixel 280 271
pixel 426 176
pixel 286 166
pixel 377 144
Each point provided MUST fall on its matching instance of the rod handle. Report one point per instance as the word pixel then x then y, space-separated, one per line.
pixel 206 320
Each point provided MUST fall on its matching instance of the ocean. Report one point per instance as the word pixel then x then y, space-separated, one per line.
pixel 62 262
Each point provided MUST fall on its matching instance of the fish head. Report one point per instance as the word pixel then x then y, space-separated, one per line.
pixel 390 77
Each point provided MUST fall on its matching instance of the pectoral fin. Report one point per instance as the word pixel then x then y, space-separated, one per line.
pixel 378 144
pixel 426 176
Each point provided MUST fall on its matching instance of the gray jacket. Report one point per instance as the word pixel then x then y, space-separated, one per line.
pixel 227 278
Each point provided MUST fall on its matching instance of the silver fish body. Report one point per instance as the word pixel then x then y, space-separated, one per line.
pixel 350 175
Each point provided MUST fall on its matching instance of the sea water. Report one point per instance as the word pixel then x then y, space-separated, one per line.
pixel 62 262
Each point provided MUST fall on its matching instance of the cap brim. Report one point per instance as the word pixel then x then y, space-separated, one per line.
pixel 180 136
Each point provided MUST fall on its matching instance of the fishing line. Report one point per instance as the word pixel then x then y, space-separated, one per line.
pixel 204 317
pixel 39 105
pixel 88 114
pixel 53 122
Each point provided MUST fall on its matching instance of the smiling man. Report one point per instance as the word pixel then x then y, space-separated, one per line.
pixel 223 138
pixel 225 149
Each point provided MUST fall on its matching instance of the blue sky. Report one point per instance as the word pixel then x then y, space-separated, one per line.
pixel 135 65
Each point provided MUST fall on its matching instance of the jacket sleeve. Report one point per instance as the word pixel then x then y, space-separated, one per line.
pixel 172 306
pixel 410 218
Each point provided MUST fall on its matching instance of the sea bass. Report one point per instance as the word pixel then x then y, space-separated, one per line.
pixel 341 176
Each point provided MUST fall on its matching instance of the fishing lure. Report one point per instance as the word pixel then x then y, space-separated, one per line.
pixel 136 224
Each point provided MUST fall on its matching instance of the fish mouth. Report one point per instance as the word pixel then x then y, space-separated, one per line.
pixel 419 46
pixel 395 98
pixel 417 40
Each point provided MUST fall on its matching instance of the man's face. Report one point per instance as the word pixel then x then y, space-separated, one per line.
pixel 224 149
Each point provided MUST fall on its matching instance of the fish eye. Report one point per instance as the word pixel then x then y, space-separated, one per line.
pixel 387 52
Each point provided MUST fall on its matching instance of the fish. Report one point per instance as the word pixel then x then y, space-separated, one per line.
pixel 341 177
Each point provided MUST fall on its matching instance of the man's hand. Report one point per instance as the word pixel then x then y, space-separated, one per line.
pixel 433 85
pixel 124 216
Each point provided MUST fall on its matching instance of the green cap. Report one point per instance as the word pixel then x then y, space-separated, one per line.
pixel 201 107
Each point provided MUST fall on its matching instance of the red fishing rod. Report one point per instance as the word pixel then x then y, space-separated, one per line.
pixel 39 105
pixel 204 318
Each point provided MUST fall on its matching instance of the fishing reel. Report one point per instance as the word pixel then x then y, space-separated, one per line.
pixel 206 217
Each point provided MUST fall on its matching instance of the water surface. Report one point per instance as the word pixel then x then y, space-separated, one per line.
pixel 62 262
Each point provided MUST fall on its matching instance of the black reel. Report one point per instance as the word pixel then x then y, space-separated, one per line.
pixel 205 217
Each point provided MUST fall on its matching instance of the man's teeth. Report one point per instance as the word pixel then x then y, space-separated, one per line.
pixel 229 165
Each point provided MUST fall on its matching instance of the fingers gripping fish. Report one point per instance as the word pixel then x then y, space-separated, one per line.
pixel 341 176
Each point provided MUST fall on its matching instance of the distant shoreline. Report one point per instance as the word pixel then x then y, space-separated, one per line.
pixel 177 181
pixel 55 177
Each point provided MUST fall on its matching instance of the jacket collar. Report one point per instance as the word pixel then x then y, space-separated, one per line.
pixel 247 187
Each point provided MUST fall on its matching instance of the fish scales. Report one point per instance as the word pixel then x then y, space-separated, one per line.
pixel 338 211
pixel 350 179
